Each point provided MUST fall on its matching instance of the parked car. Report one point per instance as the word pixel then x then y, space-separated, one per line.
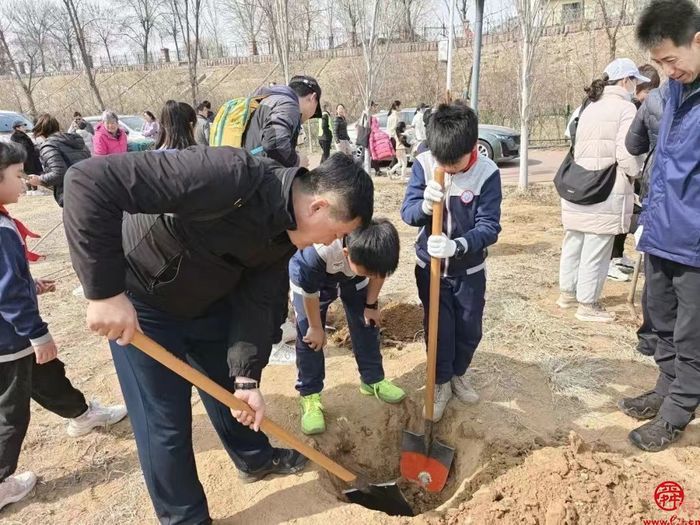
pixel 133 126
pixel 7 118
pixel 498 143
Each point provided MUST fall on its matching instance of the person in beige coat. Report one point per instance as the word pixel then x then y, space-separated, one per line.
pixel 590 229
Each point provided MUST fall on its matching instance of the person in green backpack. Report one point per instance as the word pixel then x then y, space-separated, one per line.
pixel 325 133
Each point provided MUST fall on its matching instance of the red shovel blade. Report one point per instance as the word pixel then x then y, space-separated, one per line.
pixel 427 468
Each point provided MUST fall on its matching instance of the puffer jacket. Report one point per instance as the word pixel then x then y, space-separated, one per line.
pixel 58 153
pixel 600 143
pixel 105 143
pixel 273 129
pixel 644 131
pixel 380 147
pixel 32 166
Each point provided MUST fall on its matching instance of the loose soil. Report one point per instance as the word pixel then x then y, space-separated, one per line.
pixel 546 444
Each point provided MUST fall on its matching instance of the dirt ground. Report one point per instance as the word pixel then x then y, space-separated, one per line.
pixel 545 445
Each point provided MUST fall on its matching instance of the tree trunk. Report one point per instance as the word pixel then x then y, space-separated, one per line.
pixel 254 47
pixel 15 69
pixel 526 65
pixel 145 50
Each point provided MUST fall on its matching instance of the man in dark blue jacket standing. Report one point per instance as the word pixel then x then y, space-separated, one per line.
pixel 670 30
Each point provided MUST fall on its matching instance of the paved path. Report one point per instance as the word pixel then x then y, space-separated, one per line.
pixel 544 164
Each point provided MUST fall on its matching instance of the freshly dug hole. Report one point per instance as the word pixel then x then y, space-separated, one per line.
pixel 373 451
pixel 401 323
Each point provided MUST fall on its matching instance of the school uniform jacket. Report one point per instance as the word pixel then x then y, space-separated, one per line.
pixel 207 224
pixel 320 266
pixel 472 212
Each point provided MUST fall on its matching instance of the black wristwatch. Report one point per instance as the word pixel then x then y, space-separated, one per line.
pixel 373 306
pixel 246 386
pixel 460 251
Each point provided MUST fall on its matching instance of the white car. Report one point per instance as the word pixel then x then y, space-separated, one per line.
pixel 132 124
pixel 7 119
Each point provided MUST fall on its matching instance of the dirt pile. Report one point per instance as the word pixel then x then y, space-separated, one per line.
pixel 401 323
pixel 566 485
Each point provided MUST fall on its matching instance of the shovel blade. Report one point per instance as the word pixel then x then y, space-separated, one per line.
pixel 384 497
pixel 428 468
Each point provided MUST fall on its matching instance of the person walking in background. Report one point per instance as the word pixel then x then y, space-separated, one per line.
pixel 403 147
pixel 392 120
pixel 590 229
pixel 381 149
pixel 58 151
pixel 203 126
pixel 178 121
pixel 151 127
pixel 29 368
pixel 109 136
pixel 77 121
pixel 86 136
pixel 325 134
pixel 670 221
pixel 340 131
pixel 620 266
pixel 32 164
pixel 418 124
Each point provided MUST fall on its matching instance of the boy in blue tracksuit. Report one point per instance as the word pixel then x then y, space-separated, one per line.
pixel 355 269
pixel 670 31
pixel 29 368
pixel 471 223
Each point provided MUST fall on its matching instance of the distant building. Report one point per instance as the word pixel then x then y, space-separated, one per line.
pixel 571 11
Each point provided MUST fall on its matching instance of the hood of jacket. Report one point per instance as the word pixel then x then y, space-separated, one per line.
pixel 282 91
pixel 66 141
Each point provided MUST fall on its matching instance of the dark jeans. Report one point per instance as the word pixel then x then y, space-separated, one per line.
pixel 365 339
pixel 619 246
pixel 159 407
pixel 459 320
pixel 673 300
pixel 326 147
pixel 20 381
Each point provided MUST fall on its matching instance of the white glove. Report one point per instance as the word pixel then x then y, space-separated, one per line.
pixel 433 193
pixel 441 246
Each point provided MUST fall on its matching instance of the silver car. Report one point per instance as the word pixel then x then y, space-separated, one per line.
pixel 7 119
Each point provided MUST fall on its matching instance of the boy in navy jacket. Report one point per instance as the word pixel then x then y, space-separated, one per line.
pixel 355 268
pixel 471 223
pixel 28 365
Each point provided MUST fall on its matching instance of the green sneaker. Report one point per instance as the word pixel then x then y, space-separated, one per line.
pixel 312 421
pixel 384 390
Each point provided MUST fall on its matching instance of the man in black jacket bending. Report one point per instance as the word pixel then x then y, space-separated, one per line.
pixel 196 266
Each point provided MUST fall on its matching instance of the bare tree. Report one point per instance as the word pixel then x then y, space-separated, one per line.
pixel 63 34
pixel 410 13
pixel 277 14
pixel 613 19
pixel 35 19
pixel 80 21
pixel 533 16
pixel 350 17
pixel 188 14
pixel 139 23
pixel 104 26
pixel 248 15
pixel 26 82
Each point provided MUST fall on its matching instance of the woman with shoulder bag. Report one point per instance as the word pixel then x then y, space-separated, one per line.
pixel 590 229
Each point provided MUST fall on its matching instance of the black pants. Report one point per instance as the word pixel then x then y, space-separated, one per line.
pixel 619 246
pixel 646 337
pixel 20 381
pixel 673 301
pixel 160 410
pixel 326 147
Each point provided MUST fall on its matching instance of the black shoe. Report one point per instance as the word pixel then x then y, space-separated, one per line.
pixel 642 407
pixel 655 435
pixel 284 461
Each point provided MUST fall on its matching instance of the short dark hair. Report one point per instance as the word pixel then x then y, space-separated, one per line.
pixel 375 247
pixel 304 85
pixel 453 130
pixel 206 104
pixel 340 175
pixel 426 116
pixel 46 125
pixel 202 106
pixel 676 20
pixel 77 114
pixel 652 74
pixel 150 115
pixel 10 154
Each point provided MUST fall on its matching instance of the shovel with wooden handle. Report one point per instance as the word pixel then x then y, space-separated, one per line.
pixel 384 497
pixel 424 460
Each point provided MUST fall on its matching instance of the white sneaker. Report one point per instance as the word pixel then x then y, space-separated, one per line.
pixel 624 264
pixel 566 300
pixel 615 274
pixel 464 390
pixel 595 312
pixel 443 394
pixel 16 488
pixel 95 416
